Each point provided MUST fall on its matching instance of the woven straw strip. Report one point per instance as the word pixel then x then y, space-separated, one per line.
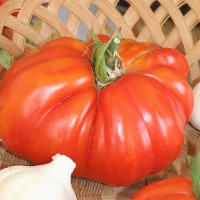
pixel 150 20
pixel 19 38
pixel 193 55
pixel 179 22
pixel 195 6
pixel 87 17
pixel 24 30
pixel 73 22
pixel 53 7
pixel 102 16
pixel 161 17
pixel 53 21
pixel 10 47
pixel 131 17
pixel 145 34
pixel 174 38
pixel 114 15
pixel 28 10
pixel 8 8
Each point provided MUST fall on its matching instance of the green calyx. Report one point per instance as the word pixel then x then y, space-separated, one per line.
pixel 106 62
pixel 195 174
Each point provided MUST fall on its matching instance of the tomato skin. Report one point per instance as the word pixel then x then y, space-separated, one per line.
pixel 49 104
pixel 43 56
pixel 147 56
pixel 67 42
pixel 176 85
pixel 177 188
pixel 113 121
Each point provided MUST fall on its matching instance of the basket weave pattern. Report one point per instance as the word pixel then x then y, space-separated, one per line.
pixel 170 23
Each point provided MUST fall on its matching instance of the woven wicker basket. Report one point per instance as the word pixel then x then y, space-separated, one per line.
pixel 171 23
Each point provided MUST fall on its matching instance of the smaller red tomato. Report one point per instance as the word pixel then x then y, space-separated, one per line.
pixel 176 188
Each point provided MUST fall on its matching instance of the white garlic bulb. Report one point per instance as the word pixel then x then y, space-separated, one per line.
pixel 51 181
pixel 195 117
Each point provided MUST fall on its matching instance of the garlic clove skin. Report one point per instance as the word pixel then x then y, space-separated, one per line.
pixel 195 117
pixel 51 181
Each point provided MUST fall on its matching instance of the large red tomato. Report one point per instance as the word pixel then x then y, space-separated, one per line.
pixel 132 127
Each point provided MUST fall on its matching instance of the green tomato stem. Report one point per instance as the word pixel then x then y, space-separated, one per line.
pixel 100 63
pixel 106 62
pixel 115 42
